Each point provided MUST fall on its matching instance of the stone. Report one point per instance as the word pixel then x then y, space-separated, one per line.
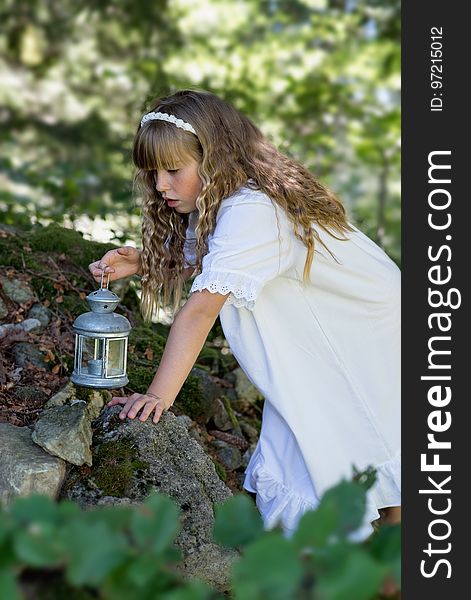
pixel 177 466
pixel 3 309
pixel 248 455
pixel 41 313
pixel 18 328
pixel 210 564
pixel 95 399
pixel 201 404
pixel 244 388
pixel 249 431
pixel 17 290
pixel 65 431
pixel 25 468
pixel 221 418
pixel 62 396
pixel 230 456
pixel 193 429
pixel 24 353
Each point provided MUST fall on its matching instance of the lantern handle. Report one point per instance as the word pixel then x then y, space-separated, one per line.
pixel 102 277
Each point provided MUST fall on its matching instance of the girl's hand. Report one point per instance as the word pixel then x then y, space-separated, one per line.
pixel 119 263
pixel 134 403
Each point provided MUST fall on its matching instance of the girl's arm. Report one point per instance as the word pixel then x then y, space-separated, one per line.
pixel 186 338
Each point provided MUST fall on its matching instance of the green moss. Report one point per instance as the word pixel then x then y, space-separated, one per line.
pixel 54 238
pixel 220 470
pixel 146 336
pixel 232 417
pixel 44 288
pixel 140 377
pixel 115 463
pixel 74 304
pixel 83 393
pixel 189 400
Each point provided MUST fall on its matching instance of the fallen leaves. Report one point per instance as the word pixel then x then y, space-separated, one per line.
pixel 149 354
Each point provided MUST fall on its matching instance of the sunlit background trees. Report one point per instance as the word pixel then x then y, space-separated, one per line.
pixel 320 78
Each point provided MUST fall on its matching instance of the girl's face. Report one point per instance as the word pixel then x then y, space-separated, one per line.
pixel 180 187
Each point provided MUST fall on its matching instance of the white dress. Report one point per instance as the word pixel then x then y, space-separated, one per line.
pixel 324 354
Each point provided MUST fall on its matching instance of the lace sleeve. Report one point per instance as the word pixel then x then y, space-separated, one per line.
pixel 250 247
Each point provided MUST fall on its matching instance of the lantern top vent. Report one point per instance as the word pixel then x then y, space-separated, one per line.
pixel 103 300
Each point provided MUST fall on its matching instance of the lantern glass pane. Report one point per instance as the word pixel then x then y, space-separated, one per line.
pixel 76 358
pixel 116 352
pixel 92 356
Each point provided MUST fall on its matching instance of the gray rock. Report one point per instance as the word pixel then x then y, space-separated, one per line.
pixel 41 313
pixel 21 327
pixel 210 564
pixel 210 392
pixel 23 353
pixel 244 388
pixel 221 418
pixel 229 456
pixel 177 467
pixel 68 395
pixel 250 432
pixel 186 421
pixel 24 467
pixel 63 396
pixel 3 309
pixel 192 428
pixel 248 455
pixel 17 290
pixel 65 431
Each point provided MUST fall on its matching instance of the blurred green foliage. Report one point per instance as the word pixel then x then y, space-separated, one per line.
pixel 320 77
pixel 127 552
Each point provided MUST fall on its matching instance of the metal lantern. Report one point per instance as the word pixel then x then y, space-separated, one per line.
pixel 101 342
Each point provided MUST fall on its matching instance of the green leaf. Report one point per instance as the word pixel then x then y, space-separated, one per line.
pixel 386 548
pixel 38 545
pixel 34 509
pixel 130 581
pixel 348 499
pixel 142 569
pixel 340 512
pixel 316 527
pixel 358 577
pixel 93 551
pixel 270 568
pixel 155 523
pixel 8 586
pixel 237 522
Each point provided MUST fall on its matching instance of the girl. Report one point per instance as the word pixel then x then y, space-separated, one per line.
pixel 308 304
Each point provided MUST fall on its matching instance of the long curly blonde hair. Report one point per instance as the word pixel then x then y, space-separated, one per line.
pixel 230 151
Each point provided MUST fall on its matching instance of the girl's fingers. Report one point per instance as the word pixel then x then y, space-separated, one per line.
pixel 117 400
pixel 149 408
pixel 134 403
pixel 135 407
pixel 159 409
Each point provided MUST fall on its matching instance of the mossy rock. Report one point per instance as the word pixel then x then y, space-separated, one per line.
pixel 220 470
pixel 115 463
pixel 189 400
pixel 55 238
pixel 140 376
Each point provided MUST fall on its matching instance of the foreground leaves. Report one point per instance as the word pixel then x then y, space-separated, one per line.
pixel 124 552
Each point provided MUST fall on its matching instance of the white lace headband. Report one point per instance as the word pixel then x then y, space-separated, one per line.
pixel 160 116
